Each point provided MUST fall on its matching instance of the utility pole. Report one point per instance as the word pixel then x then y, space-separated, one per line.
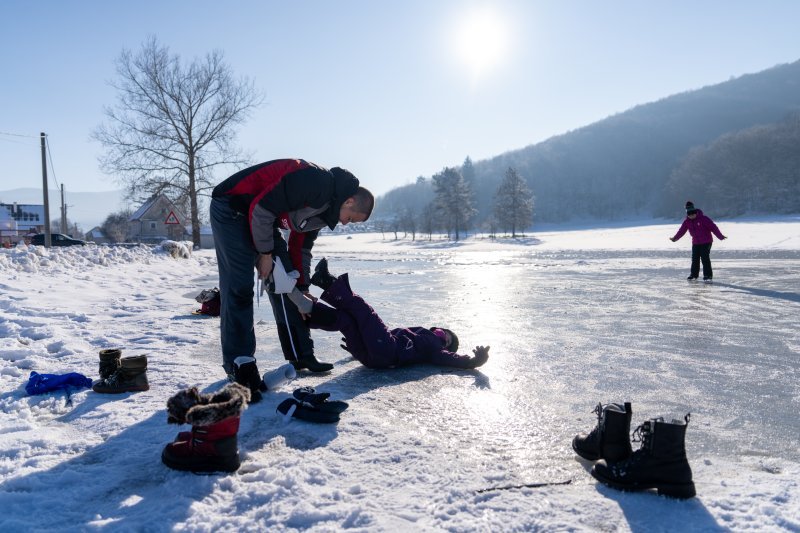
pixel 63 212
pixel 47 236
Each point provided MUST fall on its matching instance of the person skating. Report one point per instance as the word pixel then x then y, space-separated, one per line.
pixel 248 212
pixel 366 336
pixel 701 228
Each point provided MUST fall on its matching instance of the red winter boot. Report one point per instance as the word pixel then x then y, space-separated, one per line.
pixel 212 445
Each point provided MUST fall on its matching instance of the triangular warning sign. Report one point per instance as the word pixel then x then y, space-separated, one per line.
pixel 171 218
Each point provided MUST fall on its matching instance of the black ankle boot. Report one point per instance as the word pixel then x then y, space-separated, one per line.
pixel 246 373
pixel 310 363
pixel 659 464
pixel 322 278
pixel 610 439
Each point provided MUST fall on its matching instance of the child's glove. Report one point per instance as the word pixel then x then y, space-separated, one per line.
pixel 311 406
pixel 481 355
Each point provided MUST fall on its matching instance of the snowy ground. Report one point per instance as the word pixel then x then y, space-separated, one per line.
pixel 573 317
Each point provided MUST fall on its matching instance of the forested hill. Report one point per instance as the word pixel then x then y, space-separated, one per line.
pixel 646 161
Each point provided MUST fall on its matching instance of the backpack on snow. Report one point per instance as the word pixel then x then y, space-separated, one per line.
pixel 209 300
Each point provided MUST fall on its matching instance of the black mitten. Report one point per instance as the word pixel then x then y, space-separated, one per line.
pixel 311 406
pixel 304 411
pixel 319 400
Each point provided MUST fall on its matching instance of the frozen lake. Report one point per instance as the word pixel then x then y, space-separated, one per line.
pixel 568 330
pixel 570 324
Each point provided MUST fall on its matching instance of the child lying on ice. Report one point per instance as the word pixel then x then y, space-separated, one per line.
pixel 366 336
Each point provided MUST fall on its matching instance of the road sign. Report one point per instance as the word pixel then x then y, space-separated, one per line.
pixel 171 218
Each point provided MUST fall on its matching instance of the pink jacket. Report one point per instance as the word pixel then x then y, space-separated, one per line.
pixel 700 229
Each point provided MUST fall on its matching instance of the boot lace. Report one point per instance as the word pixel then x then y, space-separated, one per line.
pixel 599 412
pixel 114 379
pixel 643 434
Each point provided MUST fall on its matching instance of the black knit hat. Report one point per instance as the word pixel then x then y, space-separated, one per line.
pixel 690 208
pixel 453 346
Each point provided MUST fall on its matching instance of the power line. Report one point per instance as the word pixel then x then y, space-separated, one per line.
pixel 50 157
pixel 18 135
pixel 21 141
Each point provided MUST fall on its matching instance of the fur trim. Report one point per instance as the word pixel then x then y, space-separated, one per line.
pixel 178 405
pixel 190 406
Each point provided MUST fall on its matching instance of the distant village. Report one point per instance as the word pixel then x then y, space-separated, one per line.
pixel 158 219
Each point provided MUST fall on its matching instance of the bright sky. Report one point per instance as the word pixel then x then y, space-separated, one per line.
pixel 390 90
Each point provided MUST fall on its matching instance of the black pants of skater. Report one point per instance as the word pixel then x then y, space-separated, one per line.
pixel 702 252
pixel 293 332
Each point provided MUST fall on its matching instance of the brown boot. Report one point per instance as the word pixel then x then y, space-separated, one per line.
pixel 130 377
pixel 109 362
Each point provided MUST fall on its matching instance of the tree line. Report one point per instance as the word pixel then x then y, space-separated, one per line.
pixel 647 161
pixel 447 203
pixel 732 146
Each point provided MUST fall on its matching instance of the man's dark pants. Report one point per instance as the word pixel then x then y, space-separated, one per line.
pixel 236 260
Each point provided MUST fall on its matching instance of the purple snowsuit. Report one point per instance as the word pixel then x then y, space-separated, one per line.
pixel 369 340
pixel 700 229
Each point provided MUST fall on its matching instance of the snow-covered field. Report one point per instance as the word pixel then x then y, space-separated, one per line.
pixel 573 317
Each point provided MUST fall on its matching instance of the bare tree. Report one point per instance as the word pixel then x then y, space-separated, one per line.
pixel 428 219
pixel 408 221
pixel 173 124
pixel 115 226
pixel 513 203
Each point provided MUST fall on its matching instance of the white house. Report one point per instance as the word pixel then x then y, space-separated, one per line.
pixel 17 220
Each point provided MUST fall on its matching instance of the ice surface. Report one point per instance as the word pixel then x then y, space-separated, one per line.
pixel 573 318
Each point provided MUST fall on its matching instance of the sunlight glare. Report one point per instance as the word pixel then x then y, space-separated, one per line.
pixel 481 40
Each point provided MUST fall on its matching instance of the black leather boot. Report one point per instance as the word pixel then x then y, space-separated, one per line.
pixel 310 363
pixel 660 463
pixel 610 439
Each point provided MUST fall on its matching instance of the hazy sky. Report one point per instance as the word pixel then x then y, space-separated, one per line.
pixel 388 89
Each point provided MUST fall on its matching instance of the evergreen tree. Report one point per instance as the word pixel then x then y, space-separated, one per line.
pixel 453 200
pixel 513 203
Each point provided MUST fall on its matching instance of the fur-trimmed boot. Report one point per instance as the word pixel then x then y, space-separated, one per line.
pixel 109 362
pixel 131 376
pixel 610 439
pixel 660 463
pixel 212 445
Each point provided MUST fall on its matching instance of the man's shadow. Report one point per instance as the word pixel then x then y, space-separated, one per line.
pixel 789 296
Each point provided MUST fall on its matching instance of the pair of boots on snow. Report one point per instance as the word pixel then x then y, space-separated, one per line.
pixel 660 463
pixel 121 374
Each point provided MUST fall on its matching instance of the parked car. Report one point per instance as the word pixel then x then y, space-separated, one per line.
pixel 56 239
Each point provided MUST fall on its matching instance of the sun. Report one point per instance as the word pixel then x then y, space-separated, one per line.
pixel 481 40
